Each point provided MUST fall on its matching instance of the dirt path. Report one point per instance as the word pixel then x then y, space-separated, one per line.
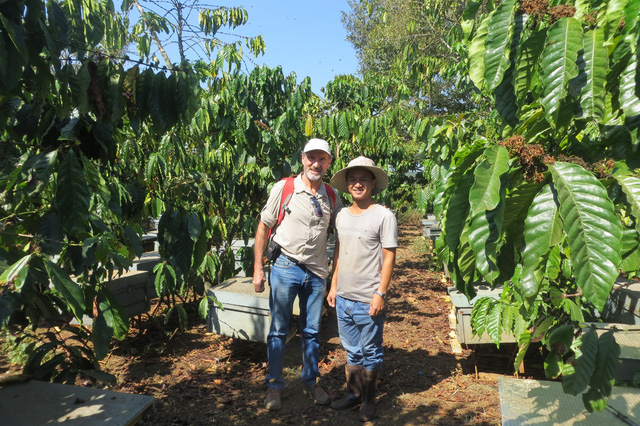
pixel 201 379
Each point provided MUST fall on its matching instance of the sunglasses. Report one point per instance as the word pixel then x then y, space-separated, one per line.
pixel 316 207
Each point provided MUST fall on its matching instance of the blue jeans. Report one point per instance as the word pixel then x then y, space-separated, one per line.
pixel 289 280
pixel 360 333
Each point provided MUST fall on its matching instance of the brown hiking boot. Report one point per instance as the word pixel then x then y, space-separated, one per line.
pixel 318 394
pixel 272 401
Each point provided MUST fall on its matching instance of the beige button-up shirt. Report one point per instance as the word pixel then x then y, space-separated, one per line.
pixel 302 235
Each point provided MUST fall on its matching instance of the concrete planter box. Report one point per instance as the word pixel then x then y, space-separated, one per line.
pixel 245 314
pixel 131 291
pixel 623 305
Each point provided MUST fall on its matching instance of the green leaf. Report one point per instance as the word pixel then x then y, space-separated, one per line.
pixel 498 43
pixel 523 345
pixel 203 307
pixel 479 315
pixel 526 73
pixel 476 54
pixel 576 375
pixel 71 292
pixel 603 377
pixel 17 273
pixel 629 100
pixel 182 318
pixel 592 97
pixel 485 194
pixel 553 364
pixel 456 213
pixel 494 322
pixel 592 228
pixel 631 187
pixel 193 226
pixel 469 18
pixel 541 230
pixel 558 64
pixel 73 195
pixel 484 233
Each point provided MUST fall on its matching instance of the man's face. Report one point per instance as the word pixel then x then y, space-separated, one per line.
pixel 315 163
pixel 361 183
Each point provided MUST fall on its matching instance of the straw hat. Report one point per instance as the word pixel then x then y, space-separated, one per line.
pixel 339 180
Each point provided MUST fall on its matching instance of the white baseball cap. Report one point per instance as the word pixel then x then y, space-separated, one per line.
pixel 317 144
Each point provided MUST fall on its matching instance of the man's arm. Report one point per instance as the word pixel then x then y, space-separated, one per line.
pixel 333 291
pixel 258 253
pixel 388 260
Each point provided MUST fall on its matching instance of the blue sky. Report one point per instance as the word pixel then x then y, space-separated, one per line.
pixel 304 36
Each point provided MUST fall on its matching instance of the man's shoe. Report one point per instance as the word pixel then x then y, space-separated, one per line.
pixel 272 401
pixel 318 394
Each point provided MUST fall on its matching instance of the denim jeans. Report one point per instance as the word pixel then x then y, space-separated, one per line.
pixel 360 333
pixel 289 280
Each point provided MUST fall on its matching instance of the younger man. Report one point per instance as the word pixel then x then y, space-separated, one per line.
pixel 367 237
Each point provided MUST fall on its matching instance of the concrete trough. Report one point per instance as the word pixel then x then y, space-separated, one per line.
pixel 537 402
pixel 245 313
pixel 40 403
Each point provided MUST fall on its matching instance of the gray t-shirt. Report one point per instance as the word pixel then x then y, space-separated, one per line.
pixel 362 238
pixel 302 235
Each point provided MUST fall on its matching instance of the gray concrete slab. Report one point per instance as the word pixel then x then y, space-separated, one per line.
pixel 535 402
pixel 40 403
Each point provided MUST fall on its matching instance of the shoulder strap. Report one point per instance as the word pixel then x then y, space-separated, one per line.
pixel 332 195
pixel 287 193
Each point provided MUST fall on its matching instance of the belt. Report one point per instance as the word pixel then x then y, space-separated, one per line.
pixel 291 259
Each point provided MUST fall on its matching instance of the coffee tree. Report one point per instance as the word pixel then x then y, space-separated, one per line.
pixel 92 143
pixel 543 194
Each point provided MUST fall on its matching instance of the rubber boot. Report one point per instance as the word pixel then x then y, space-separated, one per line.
pixel 368 408
pixel 355 381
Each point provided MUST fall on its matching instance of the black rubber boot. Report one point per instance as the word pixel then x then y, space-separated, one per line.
pixel 368 408
pixel 355 380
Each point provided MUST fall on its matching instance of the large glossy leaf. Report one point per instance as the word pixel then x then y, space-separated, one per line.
pixel 558 64
pixel 592 228
pixel 592 97
pixel 17 273
pixel 498 43
pixel 506 101
pixel 541 230
pixel 484 231
pixel 72 195
pixel 526 72
pixel 604 372
pixel 464 267
pixel 457 211
pixel 486 192
pixel 576 375
pixel 631 15
pixel 629 100
pixel 631 188
pixel 70 290
pixel 476 54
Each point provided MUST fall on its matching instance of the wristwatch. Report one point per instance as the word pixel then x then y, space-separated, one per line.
pixel 381 294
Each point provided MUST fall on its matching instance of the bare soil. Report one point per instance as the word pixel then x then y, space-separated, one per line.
pixel 199 378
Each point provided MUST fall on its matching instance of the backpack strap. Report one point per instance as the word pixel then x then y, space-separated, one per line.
pixel 332 196
pixel 287 193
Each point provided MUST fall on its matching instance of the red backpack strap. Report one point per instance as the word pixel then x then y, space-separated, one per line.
pixel 332 195
pixel 287 193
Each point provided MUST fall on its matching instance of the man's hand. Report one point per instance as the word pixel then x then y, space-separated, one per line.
pixel 258 281
pixel 331 297
pixel 258 250
pixel 376 306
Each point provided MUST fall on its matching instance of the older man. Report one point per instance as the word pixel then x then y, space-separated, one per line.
pixel 300 269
